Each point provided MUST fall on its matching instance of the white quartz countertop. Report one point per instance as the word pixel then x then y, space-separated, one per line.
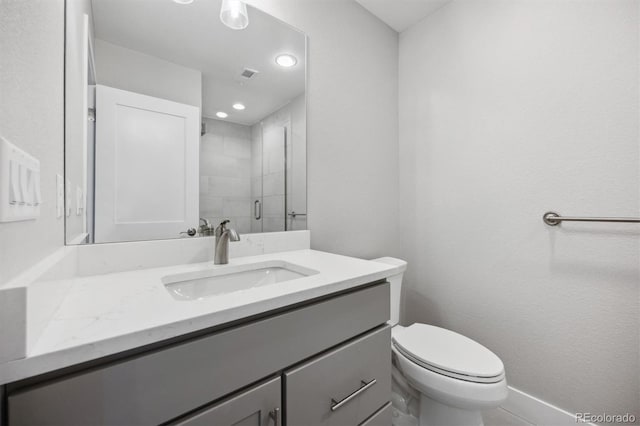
pixel 106 314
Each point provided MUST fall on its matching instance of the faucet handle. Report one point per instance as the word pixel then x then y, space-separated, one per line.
pixel 221 228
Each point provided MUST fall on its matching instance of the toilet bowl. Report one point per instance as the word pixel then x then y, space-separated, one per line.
pixel 455 377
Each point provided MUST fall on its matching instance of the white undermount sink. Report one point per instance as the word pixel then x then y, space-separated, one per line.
pixel 212 282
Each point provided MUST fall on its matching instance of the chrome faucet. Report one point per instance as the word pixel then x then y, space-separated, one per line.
pixel 223 236
pixel 205 228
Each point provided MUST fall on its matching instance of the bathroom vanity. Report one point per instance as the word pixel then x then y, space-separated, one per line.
pixel 313 349
pixel 308 358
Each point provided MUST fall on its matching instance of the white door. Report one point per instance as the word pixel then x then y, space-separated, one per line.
pixel 146 166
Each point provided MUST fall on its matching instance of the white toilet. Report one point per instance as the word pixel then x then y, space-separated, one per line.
pixel 453 377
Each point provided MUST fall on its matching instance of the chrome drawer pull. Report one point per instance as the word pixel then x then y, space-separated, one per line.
pixel 364 386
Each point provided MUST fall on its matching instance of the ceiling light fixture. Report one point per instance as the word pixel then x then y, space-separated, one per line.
pixel 221 114
pixel 238 106
pixel 233 13
pixel 286 60
pixel 183 1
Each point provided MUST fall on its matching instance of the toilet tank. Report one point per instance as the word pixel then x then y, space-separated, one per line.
pixel 395 282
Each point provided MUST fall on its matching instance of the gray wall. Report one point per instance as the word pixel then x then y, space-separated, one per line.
pixel 509 109
pixel 352 127
pixel 127 69
pixel 31 90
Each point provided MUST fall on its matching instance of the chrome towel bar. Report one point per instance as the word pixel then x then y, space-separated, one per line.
pixel 553 219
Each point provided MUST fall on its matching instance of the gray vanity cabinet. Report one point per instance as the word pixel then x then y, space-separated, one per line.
pixel 323 349
pixel 258 406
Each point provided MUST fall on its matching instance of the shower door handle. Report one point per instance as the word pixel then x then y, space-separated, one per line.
pixel 257 209
pixel 294 214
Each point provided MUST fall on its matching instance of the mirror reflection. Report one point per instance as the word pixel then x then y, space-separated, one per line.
pixel 176 120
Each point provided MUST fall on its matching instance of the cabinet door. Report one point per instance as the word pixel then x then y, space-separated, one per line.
pixel 259 406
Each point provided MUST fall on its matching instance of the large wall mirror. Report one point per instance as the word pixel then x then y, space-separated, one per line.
pixel 175 120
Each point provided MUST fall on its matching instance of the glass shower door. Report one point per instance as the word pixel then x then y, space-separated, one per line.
pixel 269 179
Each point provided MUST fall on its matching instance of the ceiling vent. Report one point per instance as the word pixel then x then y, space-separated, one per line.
pixel 248 73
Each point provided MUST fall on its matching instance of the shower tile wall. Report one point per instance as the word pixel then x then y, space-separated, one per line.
pixel 225 174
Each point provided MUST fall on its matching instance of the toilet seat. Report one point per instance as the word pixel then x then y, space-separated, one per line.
pixel 447 353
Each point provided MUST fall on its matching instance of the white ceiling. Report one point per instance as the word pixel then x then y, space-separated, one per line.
pixel 401 14
pixel 193 36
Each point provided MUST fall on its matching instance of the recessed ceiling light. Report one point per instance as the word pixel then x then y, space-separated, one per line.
pixel 183 1
pixel 238 106
pixel 221 114
pixel 286 60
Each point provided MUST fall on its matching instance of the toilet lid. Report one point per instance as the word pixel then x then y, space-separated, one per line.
pixel 447 352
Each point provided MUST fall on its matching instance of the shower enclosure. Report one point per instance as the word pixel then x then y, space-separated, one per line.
pixel 278 178
pixel 255 175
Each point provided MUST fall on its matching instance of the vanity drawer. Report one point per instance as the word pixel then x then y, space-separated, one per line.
pixel 164 384
pixel 344 386
pixel 382 417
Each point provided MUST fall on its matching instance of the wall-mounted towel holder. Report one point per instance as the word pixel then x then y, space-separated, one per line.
pixel 553 219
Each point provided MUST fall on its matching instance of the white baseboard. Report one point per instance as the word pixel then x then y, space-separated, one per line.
pixel 537 411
